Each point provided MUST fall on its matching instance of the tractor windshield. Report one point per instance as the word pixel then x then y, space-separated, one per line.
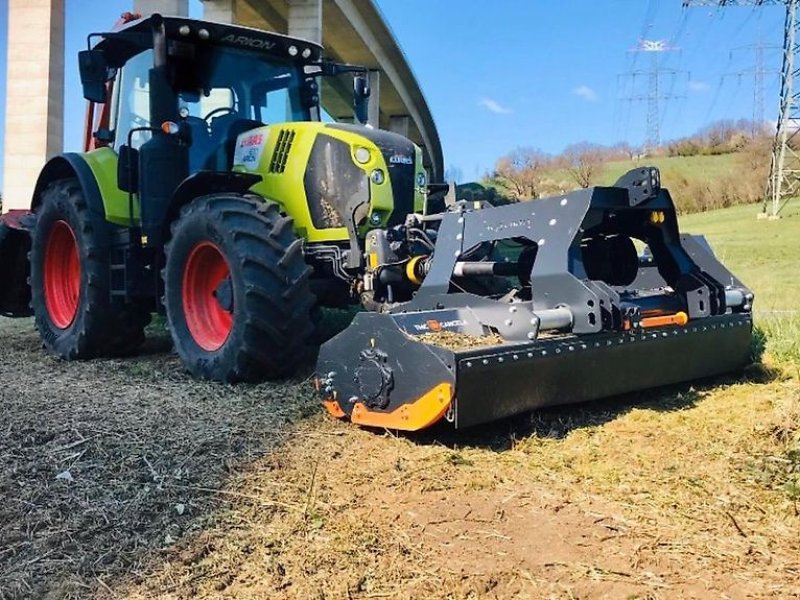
pixel 224 92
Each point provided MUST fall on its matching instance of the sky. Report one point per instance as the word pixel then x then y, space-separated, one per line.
pixel 536 73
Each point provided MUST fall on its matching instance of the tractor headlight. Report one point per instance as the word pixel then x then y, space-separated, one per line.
pixel 362 155
pixel 292 50
pixel 375 218
pixel 421 180
pixel 378 176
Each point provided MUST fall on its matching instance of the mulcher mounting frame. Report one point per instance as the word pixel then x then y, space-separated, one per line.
pixel 599 317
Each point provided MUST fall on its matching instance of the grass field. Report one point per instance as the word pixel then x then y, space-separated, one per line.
pixel 690 167
pixel 127 479
pixel 760 253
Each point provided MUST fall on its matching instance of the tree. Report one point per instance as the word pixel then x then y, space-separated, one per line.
pixel 523 171
pixel 584 161
pixel 623 151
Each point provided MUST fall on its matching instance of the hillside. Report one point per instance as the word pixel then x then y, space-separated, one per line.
pixel 688 167
pixel 697 183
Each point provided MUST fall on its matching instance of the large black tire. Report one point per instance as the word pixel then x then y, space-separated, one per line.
pixel 236 290
pixel 70 280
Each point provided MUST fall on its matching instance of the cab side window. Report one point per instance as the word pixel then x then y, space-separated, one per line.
pixel 131 101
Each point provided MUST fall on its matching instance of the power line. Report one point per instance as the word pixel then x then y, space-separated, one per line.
pixel 654 97
pixel 649 17
pixel 784 176
pixel 757 71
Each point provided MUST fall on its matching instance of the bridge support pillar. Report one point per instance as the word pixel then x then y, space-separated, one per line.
pixel 305 19
pixel 177 8
pixel 220 11
pixel 34 128
pixel 400 124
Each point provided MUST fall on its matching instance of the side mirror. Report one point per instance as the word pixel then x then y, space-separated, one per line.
pixel 94 75
pixel 361 94
pixel 128 169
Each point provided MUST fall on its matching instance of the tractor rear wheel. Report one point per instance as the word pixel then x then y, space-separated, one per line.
pixel 70 280
pixel 236 289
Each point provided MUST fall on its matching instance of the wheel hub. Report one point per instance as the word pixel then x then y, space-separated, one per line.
pixel 224 294
pixel 208 296
pixel 62 275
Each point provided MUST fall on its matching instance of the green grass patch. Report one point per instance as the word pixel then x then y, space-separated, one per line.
pixel 690 167
pixel 762 254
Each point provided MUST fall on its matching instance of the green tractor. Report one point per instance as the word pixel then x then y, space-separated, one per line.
pixel 211 191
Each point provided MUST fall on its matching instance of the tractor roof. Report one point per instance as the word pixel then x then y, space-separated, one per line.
pixel 132 38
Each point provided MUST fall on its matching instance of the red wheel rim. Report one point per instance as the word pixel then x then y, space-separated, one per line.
pixel 62 275
pixel 208 321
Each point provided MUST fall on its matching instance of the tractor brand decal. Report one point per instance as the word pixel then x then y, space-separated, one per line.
pixel 250 42
pixel 518 224
pixel 400 159
pixel 249 147
pixel 434 326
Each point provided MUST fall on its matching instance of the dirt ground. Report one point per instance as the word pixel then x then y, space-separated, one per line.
pixel 125 478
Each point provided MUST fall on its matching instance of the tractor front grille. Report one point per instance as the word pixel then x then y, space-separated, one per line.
pixel 400 156
pixel 332 182
pixel 282 149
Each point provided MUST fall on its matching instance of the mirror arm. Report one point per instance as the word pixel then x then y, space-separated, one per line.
pixel 331 69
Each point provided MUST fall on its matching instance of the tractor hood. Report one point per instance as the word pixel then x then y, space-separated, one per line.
pixel 329 173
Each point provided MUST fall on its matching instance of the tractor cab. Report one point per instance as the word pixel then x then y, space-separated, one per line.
pixel 217 81
pixel 177 93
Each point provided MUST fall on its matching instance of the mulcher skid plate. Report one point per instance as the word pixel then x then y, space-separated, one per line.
pixel 597 318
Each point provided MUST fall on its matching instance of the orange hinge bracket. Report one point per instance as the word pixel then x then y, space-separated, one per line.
pixel 423 412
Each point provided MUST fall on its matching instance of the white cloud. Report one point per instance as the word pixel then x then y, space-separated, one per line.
pixel 698 86
pixel 587 93
pixel 494 106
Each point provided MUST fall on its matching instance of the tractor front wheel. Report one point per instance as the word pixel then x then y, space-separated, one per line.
pixel 70 276
pixel 236 289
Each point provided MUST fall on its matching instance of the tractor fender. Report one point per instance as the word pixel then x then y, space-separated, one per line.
pixel 16 227
pixel 64 166
pixel 204 183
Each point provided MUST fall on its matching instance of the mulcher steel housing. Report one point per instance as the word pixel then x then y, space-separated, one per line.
pixel 210 191
pixel 674 313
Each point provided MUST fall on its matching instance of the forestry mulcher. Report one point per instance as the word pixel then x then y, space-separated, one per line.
pixel 210 191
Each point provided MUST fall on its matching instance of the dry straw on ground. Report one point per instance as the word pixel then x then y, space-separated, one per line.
pixel 183 489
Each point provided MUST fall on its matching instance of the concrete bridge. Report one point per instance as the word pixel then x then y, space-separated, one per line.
pixel 352 31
